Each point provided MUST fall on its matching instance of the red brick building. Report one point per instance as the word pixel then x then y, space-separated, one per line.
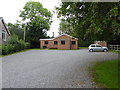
pixel 61 42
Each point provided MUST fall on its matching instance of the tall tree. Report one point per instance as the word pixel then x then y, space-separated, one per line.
pixel 38 21
pixel 65 27
pixel 92 21
pixel 16 29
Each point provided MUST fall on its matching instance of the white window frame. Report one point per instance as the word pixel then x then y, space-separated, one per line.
pixel 4 39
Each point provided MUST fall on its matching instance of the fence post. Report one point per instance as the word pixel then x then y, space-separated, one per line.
pixel 114 47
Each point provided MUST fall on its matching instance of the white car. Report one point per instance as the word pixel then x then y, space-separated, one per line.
pixel 97 47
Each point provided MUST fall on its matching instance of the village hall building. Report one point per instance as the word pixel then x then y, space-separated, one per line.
pixel 63 41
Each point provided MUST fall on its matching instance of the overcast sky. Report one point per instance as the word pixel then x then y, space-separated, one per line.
pixel 10 11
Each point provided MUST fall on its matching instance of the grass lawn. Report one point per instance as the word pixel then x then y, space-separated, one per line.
pixel 118 52
pixel 83 47
pixel 105 74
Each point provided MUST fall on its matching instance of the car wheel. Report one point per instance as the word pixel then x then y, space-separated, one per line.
pixel 105 50
pixel 90 50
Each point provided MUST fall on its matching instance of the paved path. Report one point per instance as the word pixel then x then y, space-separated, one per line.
pixel 51 68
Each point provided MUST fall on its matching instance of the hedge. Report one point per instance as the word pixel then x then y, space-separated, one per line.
pixel 11 48
pixel 14 45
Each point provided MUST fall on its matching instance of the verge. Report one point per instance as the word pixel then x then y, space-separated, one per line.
pixel 105 74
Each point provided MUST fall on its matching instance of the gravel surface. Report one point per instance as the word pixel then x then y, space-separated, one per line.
pixel 51 68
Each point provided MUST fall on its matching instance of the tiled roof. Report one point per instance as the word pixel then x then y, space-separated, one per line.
pixel 1 18
pixel 60 36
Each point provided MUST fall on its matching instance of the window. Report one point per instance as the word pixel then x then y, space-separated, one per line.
pixel 44 46
pixel 46 42
pixel 55 42
pixel 73 42
pixel 63 42
pixel 4 36
pixel 98 46
pixel 92 45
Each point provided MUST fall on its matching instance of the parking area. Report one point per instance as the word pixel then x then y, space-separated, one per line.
pixel 51 68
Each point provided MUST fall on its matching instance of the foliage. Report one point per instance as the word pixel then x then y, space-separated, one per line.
pixel 66 27
pixel 16 29
pixel 14 45
pixel 118 52
pixel 105 75
pixel 83 47
pixel 7 49
pixel 84 44
pixel 37 21
pixel 91 21
pixel 0 49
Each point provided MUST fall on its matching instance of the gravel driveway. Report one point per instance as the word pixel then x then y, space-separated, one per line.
pixel 51 68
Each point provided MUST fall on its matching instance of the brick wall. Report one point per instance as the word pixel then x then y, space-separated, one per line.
pixel 67 45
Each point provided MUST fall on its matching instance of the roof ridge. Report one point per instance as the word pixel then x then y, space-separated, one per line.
pixel 66 35
pixel 59 36
pixel 1 18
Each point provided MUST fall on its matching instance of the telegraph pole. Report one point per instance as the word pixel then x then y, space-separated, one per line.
pixel 24 34
pixel 53 34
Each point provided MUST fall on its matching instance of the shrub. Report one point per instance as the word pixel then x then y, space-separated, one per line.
pixel 0 49
pixel 84 44
pixel 44 47
pixel 7 49
pixel 27 45
pixel 14 45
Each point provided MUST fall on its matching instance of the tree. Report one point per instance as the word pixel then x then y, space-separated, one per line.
pixel 92 21
pixel 38 21
pixel 16 29
pixel 65 27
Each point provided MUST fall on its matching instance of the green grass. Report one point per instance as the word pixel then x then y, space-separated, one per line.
pixel 105 74
pixel 118 52
pixel 83 47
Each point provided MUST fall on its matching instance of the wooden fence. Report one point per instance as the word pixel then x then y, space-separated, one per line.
pixel 114 47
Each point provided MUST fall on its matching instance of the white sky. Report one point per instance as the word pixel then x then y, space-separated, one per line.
pixel 10 11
